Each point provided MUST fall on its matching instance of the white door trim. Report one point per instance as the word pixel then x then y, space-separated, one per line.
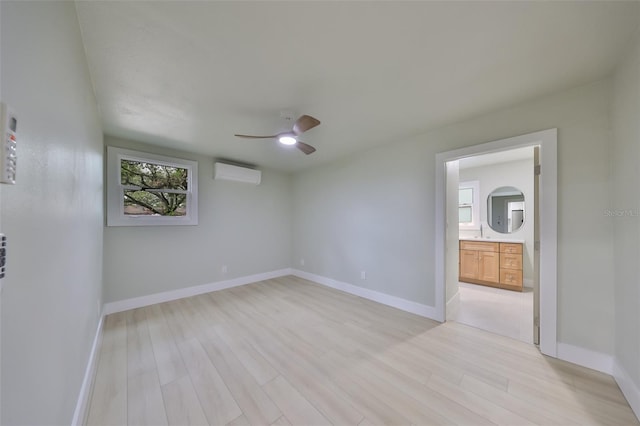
pixel 547 140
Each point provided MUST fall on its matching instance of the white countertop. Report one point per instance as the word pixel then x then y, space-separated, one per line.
pixel 492 240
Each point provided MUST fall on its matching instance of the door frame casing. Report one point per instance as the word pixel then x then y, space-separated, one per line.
pixel 547 140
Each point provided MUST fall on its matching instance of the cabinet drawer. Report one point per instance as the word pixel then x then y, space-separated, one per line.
pixel 511 277
pixel 511 248
pixel 478 246
pixel 510 261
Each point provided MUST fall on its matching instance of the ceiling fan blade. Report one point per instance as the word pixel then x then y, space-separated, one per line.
pixel 306 148
pixel 304 123
pixel 256 137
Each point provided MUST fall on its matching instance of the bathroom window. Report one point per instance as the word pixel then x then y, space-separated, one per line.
pixel 469 205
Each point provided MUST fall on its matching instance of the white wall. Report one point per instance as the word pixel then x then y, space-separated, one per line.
pixel 518 174
pixel 52 217
pixel 624 211
pixel 375 210
pixel 245 227
pixel 0 229
pixel 369 213
pixel 452 214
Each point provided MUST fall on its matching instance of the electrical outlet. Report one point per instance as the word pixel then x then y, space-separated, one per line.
pixel 301 262
pixel 363 275
pixel 224 269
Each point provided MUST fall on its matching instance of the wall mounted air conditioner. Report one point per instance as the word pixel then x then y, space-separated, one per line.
pixel 222 171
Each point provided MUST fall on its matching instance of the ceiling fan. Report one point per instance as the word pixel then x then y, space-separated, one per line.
pixel 302 124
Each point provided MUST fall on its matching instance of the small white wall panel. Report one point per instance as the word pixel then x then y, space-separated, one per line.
pixel 223 171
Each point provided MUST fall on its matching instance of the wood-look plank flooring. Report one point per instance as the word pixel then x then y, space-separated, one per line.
pixel 290 352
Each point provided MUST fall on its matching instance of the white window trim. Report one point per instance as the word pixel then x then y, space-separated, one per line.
pixel 475 207
pixel 115 199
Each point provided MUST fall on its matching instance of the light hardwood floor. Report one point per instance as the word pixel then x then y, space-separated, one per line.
pixel 504 312
pixel 290 352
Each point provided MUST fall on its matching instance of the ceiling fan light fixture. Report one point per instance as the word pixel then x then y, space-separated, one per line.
pixel 302 124
pixel 287 140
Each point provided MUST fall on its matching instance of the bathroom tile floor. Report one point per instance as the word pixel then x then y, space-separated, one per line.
pixel 504 312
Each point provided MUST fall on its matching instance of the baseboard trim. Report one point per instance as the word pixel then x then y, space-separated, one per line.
pixel 85 390
pixel 167 296
pixel 628 387
pixel 385 299
pixel 586 358
pixel 452 305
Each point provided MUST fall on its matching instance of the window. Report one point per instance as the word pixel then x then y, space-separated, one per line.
pixel 149 189
pixel 468 205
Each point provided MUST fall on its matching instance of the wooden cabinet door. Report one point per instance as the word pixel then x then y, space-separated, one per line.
pixel 468 264
pixel 489 266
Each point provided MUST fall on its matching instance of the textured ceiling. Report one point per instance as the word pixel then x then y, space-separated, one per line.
pixel 191 74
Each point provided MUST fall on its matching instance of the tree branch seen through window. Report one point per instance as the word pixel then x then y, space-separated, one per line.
pixel 153 189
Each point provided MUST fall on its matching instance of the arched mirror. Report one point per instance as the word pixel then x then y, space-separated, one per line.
pixel 505 209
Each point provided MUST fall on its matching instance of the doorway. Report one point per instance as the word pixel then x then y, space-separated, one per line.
pixel 494 289
pixel 545 245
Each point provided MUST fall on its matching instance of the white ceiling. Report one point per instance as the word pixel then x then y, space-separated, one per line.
pixel 191 74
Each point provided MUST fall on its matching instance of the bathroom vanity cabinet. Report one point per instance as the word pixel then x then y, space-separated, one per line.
pixel 495 264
